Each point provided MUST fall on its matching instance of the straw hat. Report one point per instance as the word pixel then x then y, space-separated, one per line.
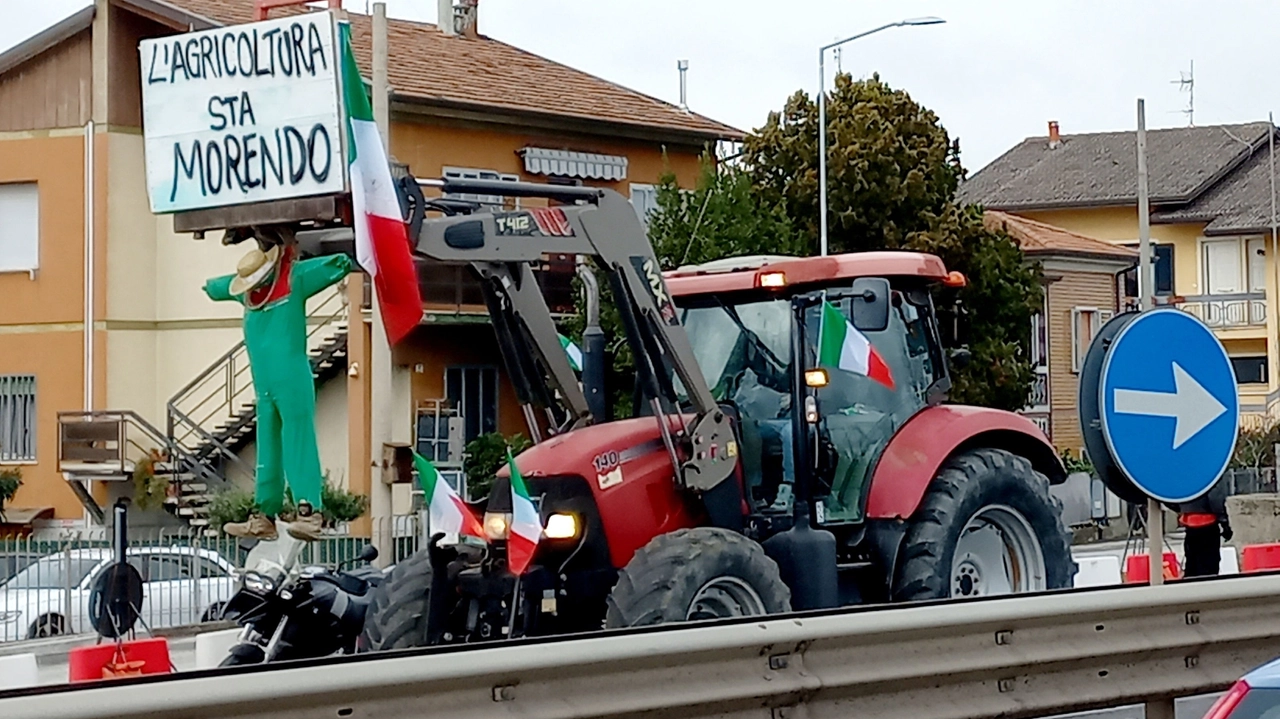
pixel 254 269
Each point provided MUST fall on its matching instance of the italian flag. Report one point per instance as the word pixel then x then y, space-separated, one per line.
pixel 382 246
pixel 526 527
pixel 841 345
pixel 574 352
pixel 445 509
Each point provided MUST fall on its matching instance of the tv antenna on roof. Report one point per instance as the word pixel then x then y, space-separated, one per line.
pixel 1187 81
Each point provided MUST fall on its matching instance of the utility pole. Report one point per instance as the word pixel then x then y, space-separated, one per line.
pixel 1159 708
pixel 1146 299
pixel 1275 245
pixel 381 370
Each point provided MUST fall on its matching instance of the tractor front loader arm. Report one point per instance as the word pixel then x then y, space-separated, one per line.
pixel 603 225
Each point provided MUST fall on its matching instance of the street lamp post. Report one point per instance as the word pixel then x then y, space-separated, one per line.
pixel 822 112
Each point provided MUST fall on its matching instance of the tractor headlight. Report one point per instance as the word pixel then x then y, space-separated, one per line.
pixel 561 526
pixel 497 525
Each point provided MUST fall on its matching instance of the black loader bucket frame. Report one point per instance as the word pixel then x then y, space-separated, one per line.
pixel 601 224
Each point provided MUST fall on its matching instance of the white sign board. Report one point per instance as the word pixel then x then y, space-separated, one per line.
pixel 245 113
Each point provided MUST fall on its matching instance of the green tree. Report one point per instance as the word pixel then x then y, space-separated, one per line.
pixel 893 174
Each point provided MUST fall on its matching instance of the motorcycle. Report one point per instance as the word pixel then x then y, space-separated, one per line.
pixel 313 613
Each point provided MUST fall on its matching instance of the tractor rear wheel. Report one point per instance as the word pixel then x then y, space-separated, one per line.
pixel 987 526
pixel 692 574
pixel 397 616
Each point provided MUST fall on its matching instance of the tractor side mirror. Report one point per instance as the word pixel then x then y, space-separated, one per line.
pixel 960 358
pixel 870 304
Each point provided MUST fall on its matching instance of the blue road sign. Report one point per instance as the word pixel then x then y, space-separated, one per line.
pixel 1170 412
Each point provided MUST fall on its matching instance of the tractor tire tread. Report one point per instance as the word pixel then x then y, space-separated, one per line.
pixel 929 540
pixel 397 617
pixel 664 575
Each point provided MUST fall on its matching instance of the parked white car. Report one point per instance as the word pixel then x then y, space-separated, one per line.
pixel 181 585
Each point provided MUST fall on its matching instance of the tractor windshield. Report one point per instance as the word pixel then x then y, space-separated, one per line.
pixel 742 344
pixel 731 339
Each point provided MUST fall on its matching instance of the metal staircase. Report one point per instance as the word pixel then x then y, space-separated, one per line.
pixel 215 416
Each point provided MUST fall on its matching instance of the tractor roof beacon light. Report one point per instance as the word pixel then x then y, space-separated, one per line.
pixel 955 279
pixel 771 279
pixel 816 377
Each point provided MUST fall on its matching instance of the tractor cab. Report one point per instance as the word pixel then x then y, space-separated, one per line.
pixel 872 353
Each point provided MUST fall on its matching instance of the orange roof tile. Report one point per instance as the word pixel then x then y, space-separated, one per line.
pixel 481 72
pixel 1038 238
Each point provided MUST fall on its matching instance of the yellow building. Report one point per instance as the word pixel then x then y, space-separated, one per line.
pixel 103 304
pixel 1211 204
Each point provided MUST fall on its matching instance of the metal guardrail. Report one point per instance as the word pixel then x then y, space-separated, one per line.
pixel 1014 657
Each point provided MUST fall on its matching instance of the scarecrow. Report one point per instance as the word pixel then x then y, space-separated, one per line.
pixel 273 285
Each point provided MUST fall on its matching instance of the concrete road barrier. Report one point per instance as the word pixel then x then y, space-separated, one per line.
pixel 1255 519
pixel 212 647
pixel 1099 571
pixel 19 671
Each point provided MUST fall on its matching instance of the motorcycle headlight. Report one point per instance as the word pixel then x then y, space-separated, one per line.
pixel 561 526
pixel 257 583
pixel 13 616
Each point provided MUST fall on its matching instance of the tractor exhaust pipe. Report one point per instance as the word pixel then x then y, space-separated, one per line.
pixel 592 346
pixel 806 556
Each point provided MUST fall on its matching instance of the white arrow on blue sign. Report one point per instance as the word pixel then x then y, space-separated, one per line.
pixel 1170 412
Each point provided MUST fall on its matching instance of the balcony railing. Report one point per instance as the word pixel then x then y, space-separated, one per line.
pixel 1227 311
pixel 1039 391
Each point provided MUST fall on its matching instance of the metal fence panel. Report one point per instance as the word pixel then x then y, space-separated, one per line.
pixel 187 576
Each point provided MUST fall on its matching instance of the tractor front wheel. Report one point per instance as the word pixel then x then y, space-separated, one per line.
pixel 397 615
pixel 692 574
pixel 987 526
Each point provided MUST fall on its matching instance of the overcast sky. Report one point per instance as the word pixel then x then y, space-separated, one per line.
pixel 996 72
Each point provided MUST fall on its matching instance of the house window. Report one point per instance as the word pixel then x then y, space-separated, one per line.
pixel 17 418
pixel 1163 271
pixel 1039 341
pixel 1085 323
pixel 474 391
pixel 465 173
pixel 1250 370
pixel 645 199
pixel 19 227
pixel 1233 266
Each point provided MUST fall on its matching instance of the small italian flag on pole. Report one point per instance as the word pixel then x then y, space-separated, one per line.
pixel 382 246
pixel 574 352
pixel 526 527
pixel 445 510
pixel 841 345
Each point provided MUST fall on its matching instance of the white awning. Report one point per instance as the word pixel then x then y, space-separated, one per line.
pixel 544 161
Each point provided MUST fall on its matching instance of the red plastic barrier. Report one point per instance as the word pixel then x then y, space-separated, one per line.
pixel 1137 568
pixel 1260 557
pixel 108 660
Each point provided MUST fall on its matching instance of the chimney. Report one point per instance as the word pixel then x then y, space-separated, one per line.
pixel 683 67
pixel 1054 138
pixel 444 17
pixel 470 18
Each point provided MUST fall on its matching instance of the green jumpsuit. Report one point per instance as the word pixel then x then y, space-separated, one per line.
pixel 276 338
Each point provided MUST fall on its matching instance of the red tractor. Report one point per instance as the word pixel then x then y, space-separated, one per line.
pixel 791 449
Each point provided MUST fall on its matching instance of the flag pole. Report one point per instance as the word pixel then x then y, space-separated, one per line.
pixel 381 398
